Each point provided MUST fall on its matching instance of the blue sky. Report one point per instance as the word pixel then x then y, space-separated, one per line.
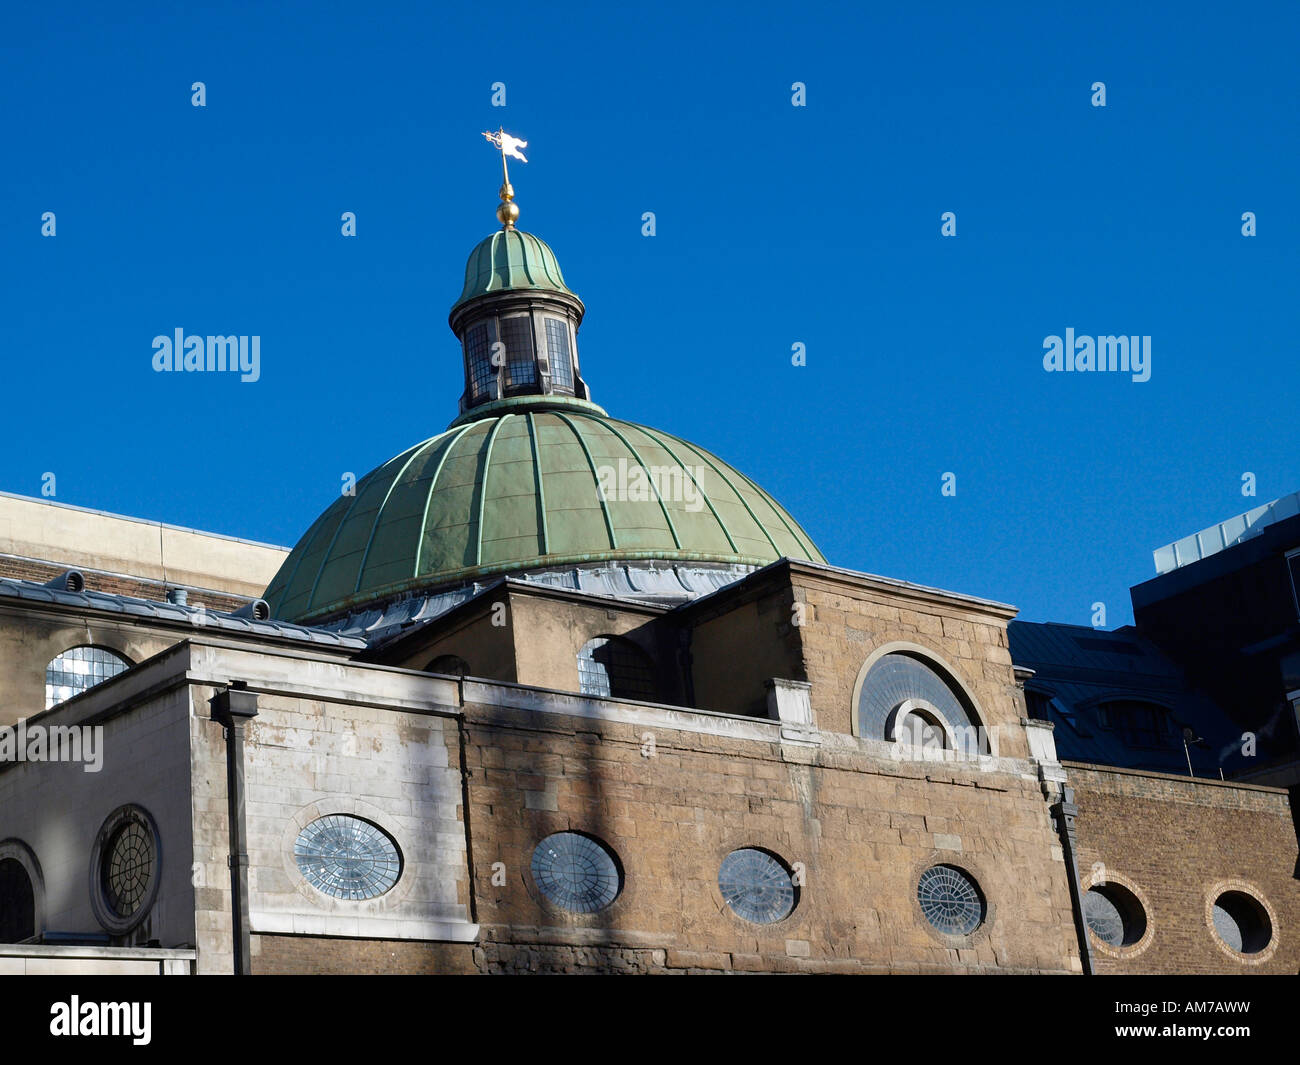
pixel 775 225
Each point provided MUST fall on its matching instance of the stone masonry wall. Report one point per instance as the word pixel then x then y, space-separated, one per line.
pixel 844 624
pixel 863 828
pixel 319 956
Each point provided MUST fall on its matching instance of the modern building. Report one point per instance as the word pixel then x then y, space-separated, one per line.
pixel 551 691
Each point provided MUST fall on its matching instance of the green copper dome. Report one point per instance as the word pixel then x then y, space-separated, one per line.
pixel 510 260
pixel 519 489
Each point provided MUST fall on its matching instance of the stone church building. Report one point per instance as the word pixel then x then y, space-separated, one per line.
pixel 551 691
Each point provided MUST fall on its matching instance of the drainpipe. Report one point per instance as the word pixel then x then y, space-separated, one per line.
pixel 233 708
pixel 1066 814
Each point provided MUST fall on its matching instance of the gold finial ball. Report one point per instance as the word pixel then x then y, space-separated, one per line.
pixel 508 214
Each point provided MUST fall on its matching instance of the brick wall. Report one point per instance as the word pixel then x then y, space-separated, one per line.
pixel 1177 843
pixel 29 570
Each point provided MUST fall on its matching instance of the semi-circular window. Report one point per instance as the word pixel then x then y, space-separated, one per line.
pixel 78 669
pixel 757 886
pixel 917 726
pixel 575 872
pixel 900 692
pixel 615 668
pixel 126 866
pixel 451 665
pixel 347 858
pixel 1242 923
pixel 951 900
pixel 1114 915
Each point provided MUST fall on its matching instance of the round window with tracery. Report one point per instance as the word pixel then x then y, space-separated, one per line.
pixel 347 858
pixel 576 872
pixel 126 868
pixel 757 886
pixel 950 900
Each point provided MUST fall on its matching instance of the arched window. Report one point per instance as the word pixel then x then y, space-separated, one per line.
pixel 22 893
pixel 615 668
pixel 451 665
pixel 78 669
pixel 917 725
pixel 906 700
pixel 17 902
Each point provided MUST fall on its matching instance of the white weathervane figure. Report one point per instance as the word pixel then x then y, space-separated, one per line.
pixel 508 212
pixel 509 145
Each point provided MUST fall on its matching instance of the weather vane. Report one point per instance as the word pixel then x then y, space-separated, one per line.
pixel 508 212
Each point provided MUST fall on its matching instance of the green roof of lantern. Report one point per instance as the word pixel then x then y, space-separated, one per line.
pixel 520 489
pixel 511 260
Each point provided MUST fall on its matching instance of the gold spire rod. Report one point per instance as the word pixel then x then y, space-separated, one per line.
pixel 508 211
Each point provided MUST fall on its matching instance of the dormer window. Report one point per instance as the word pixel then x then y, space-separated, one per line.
pixel 1139 724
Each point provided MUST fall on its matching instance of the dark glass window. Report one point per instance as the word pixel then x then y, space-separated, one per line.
pixel 1038 705
pixel 1114 914
pixel 1139 724
pixel 17 902
pixel 557 353
pixel 1293 567
pixel 1109 647
pixel 521 365
pixel 1242 923
pixel 452 665
pixel 615 668
pixel 481 370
